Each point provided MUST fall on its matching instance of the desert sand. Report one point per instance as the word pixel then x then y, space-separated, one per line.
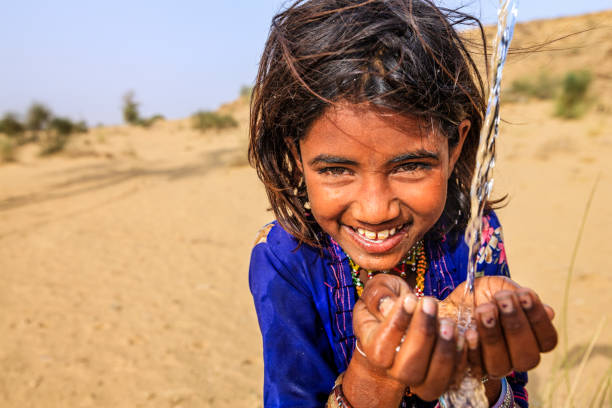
pixel 124 259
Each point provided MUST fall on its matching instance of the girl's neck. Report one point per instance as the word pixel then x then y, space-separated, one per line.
pixel 412 268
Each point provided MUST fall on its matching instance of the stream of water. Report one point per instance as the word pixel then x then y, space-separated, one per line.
pixel 471 392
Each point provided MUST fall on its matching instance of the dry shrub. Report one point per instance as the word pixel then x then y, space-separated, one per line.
pixel 7 149
pixel 205 120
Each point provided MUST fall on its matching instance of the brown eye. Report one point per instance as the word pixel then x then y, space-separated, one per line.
pixel 412 167
pixel 334 171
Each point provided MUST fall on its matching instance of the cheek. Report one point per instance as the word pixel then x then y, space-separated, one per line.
pixel 429 198
pixel 326 203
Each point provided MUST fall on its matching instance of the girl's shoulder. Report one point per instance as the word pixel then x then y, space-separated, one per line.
pixel 276 253
pixel 274 238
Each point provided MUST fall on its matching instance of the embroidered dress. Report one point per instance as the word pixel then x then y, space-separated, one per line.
pixel 304 299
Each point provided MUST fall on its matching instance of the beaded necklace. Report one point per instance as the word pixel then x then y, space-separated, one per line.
pixel 415 259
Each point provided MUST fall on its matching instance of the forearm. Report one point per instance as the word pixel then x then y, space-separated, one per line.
pixel 366 386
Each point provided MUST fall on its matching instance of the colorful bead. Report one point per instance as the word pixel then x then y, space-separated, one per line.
pixel 415 261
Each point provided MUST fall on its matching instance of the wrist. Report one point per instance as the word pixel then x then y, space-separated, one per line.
pixel 505 396
pixel 493 388
pixel 365 385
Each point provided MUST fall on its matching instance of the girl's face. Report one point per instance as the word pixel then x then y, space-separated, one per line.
pixel 376 184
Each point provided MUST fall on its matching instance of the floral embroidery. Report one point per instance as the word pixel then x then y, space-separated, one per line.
pixel 492 251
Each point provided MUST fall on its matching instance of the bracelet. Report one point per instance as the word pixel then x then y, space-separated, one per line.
pixel 506 396
pixel 336 398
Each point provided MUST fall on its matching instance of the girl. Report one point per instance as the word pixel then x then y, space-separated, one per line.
pixel 364 128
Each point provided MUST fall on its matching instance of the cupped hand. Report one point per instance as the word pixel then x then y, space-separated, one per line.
pixel 513 327
pixel 402 338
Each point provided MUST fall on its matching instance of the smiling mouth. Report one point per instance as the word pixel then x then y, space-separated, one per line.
pixel 378 236
pixel 377 242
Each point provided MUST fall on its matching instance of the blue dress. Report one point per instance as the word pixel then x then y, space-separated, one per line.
pixel 304 297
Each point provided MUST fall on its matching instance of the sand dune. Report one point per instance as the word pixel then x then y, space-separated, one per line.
pixel 125 258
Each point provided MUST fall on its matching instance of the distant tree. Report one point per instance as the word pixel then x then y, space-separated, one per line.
pixel 131 115
pixel 37 117
pixel 10 125
pixel 130 109
pixel 62 126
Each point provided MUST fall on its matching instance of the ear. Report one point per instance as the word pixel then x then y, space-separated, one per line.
pixel 462 129
pixel 293 149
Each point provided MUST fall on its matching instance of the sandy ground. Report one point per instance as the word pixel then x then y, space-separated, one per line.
pixel 125 259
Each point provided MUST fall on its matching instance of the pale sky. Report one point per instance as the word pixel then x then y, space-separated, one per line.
pixel 79 57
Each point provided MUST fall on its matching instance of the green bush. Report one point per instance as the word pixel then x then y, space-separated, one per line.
pixel 205 120
pixel 37 117
pixel 572 102
pixel 542 87
pixel 10 125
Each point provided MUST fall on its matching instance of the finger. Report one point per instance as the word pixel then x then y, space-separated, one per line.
pixel 412 359
pixel 539 319
pixel 381 345
pixel 493 347
pixel 522 345
pixel 442 364
pixel 473 353
pixel 380 288
pixel 550 312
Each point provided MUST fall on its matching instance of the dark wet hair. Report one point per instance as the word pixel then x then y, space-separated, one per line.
pixel 403 56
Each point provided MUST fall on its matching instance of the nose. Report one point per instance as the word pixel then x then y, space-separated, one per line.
pixel 376 202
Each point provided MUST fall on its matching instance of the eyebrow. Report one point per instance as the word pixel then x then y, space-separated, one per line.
pixel 328 159
pixel 419 154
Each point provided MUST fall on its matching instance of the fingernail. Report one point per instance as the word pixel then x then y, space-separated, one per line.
pixel 460 343
pixel 446 329
pixel 410 303
pixel 472 339
pixel 488 319
pixel 525 300
pixel 384 305
pixel 429 306
pixel 506 305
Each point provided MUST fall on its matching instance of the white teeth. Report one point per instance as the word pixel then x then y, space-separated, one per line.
pixel 380 235
pixel 370 235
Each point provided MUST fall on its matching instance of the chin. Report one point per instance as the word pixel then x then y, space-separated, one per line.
pixel 378 262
